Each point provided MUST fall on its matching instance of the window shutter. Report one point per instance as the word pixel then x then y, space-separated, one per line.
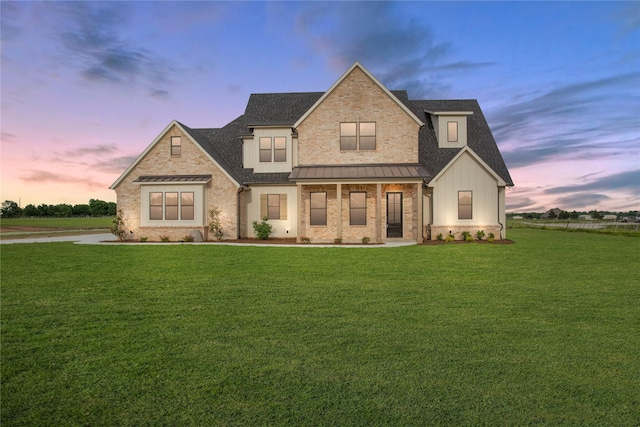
pixel 283 206
pixel 263 206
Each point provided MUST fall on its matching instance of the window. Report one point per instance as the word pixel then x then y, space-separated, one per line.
pixel 155 206
pixel 465 199
pixel 186 206
pixel 318 208
pixel 176 146
pixel 367 136
pixel 358 208
pixel 265 149
pixel 452 131
pixel 273 206
pixel 358 136
pixel 279 149
pixel 171 206
pixel 273 149
pixel 348 136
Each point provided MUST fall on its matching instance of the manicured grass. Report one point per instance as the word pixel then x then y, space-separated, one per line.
pixel 62 223
pixel 542 332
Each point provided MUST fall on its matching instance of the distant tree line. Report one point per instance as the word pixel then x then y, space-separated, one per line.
pixel 573 215
pixel 95 207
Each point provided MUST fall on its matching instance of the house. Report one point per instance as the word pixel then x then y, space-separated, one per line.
pixel 358 160
pixel 551 213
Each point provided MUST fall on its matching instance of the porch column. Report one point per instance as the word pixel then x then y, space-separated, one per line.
pixel 339 209
pixel 378 213
pixel 420 217
pixel 300 231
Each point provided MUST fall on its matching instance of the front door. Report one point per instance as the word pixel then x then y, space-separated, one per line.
pixel 394 214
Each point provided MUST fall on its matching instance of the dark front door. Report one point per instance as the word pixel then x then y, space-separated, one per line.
pixel 394 214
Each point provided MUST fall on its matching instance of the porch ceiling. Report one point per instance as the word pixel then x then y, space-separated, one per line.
pixel 373 172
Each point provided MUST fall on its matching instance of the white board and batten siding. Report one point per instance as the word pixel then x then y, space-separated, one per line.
pixel 466 174
pixel 251 151
pixel 282 228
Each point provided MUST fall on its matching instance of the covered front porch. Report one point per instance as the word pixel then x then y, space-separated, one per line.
pixel 352 204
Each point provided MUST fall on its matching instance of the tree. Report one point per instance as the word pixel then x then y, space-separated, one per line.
pixel 10 209
pixel 30 210
pixel 81 210
pixel 98 207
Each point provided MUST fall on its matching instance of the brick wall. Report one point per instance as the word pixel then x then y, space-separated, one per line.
pixel 219 192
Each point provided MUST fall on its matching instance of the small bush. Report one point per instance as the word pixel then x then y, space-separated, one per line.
pixel 188 238
pixel 450 238
pixel 468 238
pixel 491 238
pixel 262 229
pixel 439 237
pixel 365 240
pixel 118 228
pixel 164 238
pixel 215 226
pixel 466 235
pixel 480 234
pixel 305 240
pixel 144 238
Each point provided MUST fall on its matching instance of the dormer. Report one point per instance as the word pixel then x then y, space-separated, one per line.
pixel 269 149
pixel 450 127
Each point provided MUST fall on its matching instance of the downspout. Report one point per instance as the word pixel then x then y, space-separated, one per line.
pixel 239 214
pixel 501 225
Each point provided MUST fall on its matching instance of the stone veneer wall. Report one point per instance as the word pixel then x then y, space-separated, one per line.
pixel 357 99
pixel 220 192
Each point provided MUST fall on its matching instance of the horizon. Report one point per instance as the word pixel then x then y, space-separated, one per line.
pixel 102 80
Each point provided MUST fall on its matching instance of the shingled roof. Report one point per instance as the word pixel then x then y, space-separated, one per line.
pixel 283 109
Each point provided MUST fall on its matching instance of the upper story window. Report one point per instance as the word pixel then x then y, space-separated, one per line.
pixel 358 136
pixel 452 131
pixel 176 146
pixel 273 149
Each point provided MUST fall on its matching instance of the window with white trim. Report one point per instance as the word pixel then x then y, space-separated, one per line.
pixel 171 206
pixel 176 146
pixel 452 131
pixel 273 206
pixel 465 204
pixel 273 149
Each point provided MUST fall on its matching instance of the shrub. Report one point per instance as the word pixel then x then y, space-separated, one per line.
pixel 480 234
pixel 466 235
pixel 215 227
pixel 450 238
pixel 305 240
pixel 365 240
pixel 491 238
pixel 468 238
pixel 143 238
pixel 164 238
pixel 439 237
pixel 188 238
pixel 118 228
pixel 262 229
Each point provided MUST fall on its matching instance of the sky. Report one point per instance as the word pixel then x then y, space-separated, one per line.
pixel 86 86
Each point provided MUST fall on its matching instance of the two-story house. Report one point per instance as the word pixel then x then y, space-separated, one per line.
pixel 355 161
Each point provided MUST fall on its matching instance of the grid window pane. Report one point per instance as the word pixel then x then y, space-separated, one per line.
pixel 265 149
pixel 452 131
pixel 465 204
pixel 367 136
pixel 155 206
pixel 273 206
pixel 171 206
pixel 186 206
pixel 176 145
pixel 348 136
pixel 358 208
pixel 318 208
pixel 279 149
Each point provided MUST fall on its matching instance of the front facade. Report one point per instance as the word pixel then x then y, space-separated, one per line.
pixel 357 161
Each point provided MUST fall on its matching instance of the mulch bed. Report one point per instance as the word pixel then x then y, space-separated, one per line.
pixel 462 242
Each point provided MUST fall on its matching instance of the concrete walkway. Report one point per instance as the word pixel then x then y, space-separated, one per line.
pixel 108 239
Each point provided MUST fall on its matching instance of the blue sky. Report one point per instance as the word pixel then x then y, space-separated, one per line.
pixel 86 86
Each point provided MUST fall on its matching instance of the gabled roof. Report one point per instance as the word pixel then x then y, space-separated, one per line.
pixel 374 79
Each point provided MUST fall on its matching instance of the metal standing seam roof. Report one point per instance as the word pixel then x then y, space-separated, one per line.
pixel 172 178
pixel 389 171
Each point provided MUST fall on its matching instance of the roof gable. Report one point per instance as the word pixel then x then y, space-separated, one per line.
pixel 477 158
pixel 196 139
pixel 375 80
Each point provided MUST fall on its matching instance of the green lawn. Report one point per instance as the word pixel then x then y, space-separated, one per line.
pixel 542 332
pixel 20 228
